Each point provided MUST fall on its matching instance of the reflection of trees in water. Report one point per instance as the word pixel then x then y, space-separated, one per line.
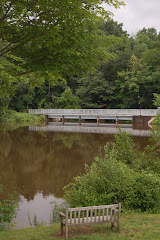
pixel 141 142
pixel 31 161
pixel 67 139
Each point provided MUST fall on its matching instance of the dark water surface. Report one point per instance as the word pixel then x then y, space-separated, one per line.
pixel 35 166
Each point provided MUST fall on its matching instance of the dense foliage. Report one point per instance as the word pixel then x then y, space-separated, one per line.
pixel 54 38
pixel 127 78
pixel 46 48
pixel 7 210
pixel 55 35
pixel 119 175
pixel 130 79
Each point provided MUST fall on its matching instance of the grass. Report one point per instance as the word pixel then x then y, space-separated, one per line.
pixel 13 119
pixel 135 226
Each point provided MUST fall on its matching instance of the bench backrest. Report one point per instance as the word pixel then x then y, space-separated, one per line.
pixel 104 213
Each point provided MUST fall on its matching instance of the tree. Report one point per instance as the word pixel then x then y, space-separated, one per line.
pixel 60 36
pixel 98 90
pixel 67 100
pixel 94 91
pixel 114 28
pixel 8 69
pixel 156 101
pixel 133 83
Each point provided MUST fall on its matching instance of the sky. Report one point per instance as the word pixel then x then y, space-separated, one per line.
pixel 138 14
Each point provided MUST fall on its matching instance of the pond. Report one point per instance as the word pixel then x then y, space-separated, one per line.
pixel 36 163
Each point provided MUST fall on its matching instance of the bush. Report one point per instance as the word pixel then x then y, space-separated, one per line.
pixel 106 181
pixel 13 117
pixel 115 177
pixel 7 211
pixel 146 192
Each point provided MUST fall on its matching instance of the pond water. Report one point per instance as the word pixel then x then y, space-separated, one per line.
pixel 36 163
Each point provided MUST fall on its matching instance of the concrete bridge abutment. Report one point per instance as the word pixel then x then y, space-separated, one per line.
pixel 141 119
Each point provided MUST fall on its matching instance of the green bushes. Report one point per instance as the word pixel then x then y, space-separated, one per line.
pixel 14 117
pixel 106 181
pixel 146 192
pixel 7 211
pixel 156 123
pixel 116 176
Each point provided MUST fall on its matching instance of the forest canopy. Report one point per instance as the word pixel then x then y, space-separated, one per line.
pixel 47 38
pixel 60 36
pixel 51 51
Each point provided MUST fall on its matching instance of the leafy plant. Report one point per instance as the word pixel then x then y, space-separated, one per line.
pixel 117 176
pixel 35 221
pixel 67 100
pixel 56 209
pixel 8 209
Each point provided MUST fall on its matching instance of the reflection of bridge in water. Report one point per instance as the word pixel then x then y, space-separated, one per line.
pixel 91 128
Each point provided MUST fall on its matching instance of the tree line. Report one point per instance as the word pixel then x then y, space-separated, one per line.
pixel 128 78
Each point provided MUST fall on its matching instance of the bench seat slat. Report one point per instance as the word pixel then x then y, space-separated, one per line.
pixel 89 220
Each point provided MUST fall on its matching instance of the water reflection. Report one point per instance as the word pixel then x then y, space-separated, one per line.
pixel 43 163
pixel 134 130
pixel 40 206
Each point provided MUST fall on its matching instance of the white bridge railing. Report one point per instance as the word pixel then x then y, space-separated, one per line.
pixel 111 112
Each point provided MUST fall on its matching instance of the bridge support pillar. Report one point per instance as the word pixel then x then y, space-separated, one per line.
pixel 141 119
pixel 46 119
pixel 117 120
pixel 97 121
pixel 79 120
pixel 63 119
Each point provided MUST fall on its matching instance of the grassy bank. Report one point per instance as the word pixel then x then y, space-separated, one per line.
pixel 14 119
pixel 133 226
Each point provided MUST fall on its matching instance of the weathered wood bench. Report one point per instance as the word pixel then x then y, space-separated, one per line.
pixel 91 215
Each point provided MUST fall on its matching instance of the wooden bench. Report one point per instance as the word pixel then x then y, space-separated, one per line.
pixel 91 215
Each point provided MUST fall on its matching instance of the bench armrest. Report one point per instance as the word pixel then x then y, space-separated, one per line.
pixel 62 214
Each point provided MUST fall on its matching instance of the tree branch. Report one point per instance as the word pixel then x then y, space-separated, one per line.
pixel 4 33
pixel 4 52
pixel 5 14
pixel 1 51
pixel 32 4
pixel 19 74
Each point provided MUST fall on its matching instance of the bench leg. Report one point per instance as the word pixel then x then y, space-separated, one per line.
pixel 112 225
pixel 61 229
pixel 66 231
pixel 118 226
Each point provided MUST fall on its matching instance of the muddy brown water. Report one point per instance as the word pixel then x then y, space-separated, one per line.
pixel 35 166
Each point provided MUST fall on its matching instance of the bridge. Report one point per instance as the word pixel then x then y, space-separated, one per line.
pixel 136 115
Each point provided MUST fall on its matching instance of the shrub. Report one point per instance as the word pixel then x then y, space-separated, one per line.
pixel 123 149
pixel 106 181
pixel 7 211
pixel 112 178
pixel 146 192
pixel 23 119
